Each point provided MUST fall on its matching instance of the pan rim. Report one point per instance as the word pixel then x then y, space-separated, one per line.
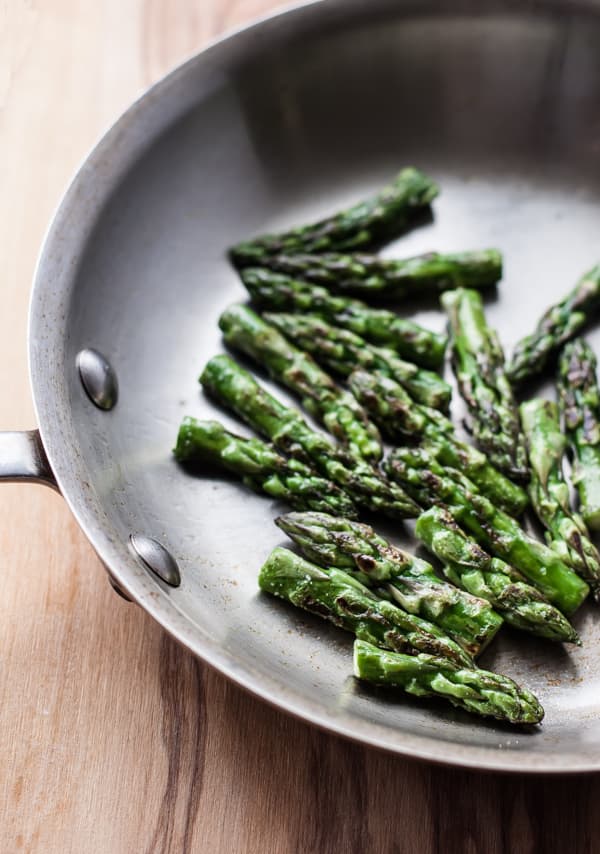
pixel 119 562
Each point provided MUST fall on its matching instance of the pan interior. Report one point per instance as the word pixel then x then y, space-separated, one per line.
pixel 278 127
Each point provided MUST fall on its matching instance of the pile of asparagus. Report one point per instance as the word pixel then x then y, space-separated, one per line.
pixel 368 375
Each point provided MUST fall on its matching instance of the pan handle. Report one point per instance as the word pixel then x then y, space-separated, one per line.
pixel 23 459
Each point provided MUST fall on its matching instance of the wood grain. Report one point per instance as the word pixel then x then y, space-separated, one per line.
pixel 114 739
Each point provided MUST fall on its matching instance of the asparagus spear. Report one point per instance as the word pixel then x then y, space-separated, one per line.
pixel 382 217
pixel 342 351
pixel 476 691
pixel 466 564
pixel 390 278
pixel 400 418
pixel 260 467
pixel 559 324
pixel 392 408
pixel 579 399
pixel 566 530
pixel 347 603
pixel 237 389
pixel 338 410
pixel 478 362
pixel 355 548
pixel 430 483
pixel 275 292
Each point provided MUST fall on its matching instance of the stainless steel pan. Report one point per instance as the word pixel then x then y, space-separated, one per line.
pixel 279 123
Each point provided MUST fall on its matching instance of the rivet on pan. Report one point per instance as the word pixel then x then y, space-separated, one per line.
pixel 98 378
pixel 156 558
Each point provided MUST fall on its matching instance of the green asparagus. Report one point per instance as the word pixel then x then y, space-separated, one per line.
pixel 478 362
pixel 237 389
pixel 354 547
pixel 579 399
pixel 381 217
pixel 431 483
pixel 476 691
pixel 336 408
pixel 342 351
pixel 466 564
pixel 347 603
pixel 400 419
pixel 260 467
pixel 275 292
pixel 389 278
pixel 566 530
pixel 559 324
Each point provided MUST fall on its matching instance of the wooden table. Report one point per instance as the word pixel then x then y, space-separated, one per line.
pixel 112 738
